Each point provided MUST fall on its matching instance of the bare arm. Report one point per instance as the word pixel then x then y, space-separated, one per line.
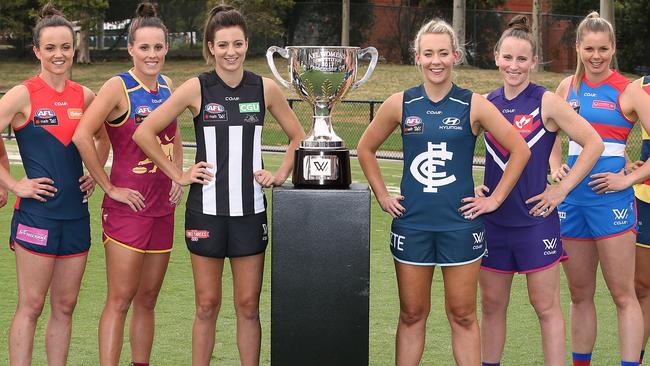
pixel 388 117
pixel 558 169
pixel 4 162
pixel 277 104
pixel 558 114
pixel 485 115
pixel 187 95
pixel 14 110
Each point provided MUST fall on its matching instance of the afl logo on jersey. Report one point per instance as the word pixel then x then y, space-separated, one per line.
pixel 141 113
pixel 412 124
pixel 575 105
pixel 45 117
pixel 215 112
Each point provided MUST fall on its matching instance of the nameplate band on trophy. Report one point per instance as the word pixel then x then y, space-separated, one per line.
pixel 320 167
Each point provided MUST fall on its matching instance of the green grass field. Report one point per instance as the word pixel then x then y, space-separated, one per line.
pixel 175 308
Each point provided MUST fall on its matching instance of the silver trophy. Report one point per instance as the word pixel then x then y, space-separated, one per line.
pixel 322 76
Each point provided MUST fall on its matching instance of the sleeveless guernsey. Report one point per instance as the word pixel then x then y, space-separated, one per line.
pixel 131 167
pixel 229 136
pixel 46 149
pixel 524 112
pixel 642 191
pixel 438 152
pixel 599 105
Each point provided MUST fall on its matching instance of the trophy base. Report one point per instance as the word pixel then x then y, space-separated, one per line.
pixel 321 168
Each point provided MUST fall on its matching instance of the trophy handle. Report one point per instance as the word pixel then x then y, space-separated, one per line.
pixel 373 62
pixel 269 58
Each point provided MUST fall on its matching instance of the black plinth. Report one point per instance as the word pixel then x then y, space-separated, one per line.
pixel 320 276
pixel 321 168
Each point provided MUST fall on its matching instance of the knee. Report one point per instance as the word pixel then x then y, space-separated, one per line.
pixel 119 304
pixel 582 295
pixel 491 306
pixel 207 309
pixel 545 308
pixel 413 315
pixel 462 316
pixel 642 288
pixel 623 299
pixel 248 307
pixel 64 307
pixel 31 309
pixel 146 300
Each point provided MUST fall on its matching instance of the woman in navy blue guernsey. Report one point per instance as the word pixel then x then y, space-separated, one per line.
pixel 598 217
pixel 524 233
pixel 50 228
pixel 436 218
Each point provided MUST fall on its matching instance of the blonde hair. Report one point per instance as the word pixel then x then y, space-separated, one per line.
pixel 437 26
pixel 593 23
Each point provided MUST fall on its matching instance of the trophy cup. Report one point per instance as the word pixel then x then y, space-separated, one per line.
pixel 322 76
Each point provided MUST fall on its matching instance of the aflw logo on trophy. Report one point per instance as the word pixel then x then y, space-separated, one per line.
pixel 424 167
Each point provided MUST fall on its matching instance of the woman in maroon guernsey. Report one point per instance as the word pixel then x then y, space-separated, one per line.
pixel 50 229
pixel 226 209
pixel 138 208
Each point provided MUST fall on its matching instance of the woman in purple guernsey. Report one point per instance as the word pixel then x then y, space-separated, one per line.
pixel 138 207
pixel 523 234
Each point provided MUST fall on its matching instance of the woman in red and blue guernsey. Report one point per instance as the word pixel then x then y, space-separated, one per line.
pixel 138 208
pixel 598 217
pixel 50 229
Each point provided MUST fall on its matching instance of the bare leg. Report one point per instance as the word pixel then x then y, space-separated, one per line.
pixel 143 317
pixel 617 261
pixel 580 270
pixel 414 284
pixel 642 287
pixel 544 294
pixel 495 296
pixel 247 273
pixel 207 293
pixel 64 290
pixel 123 272
pixel 460 303
pixel 33 275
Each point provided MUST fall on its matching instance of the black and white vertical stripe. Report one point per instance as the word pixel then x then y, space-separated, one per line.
pixel 234 148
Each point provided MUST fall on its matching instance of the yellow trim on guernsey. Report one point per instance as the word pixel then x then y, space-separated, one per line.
pixel 135 249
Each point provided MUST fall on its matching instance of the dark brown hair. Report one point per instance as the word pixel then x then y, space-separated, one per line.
pixel 145 16
pixel 518 28
pixel 221 16
pixel 49 16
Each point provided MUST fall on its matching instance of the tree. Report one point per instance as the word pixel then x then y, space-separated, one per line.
pixel 537 32
pixel 16 19
pixel 87 14
pixel 459 23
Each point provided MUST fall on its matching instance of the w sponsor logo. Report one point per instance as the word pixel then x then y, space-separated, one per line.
pixel 550 246
pixel 478 237
pixel 620 214
pixel 550 243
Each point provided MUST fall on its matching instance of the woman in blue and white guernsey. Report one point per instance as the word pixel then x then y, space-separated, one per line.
pixel 436 218
pixel 598 217
pixel 524 233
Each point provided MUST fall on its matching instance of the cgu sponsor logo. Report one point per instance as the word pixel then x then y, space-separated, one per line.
pixel 550 246
pixel 195 235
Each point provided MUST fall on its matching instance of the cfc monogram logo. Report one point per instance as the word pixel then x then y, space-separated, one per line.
pixel 424 167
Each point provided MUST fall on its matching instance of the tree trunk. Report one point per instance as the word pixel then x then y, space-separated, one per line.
pixel 345 23
pixel 537 32
pixel 459 24
pixel 83 50
pixel 607 12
